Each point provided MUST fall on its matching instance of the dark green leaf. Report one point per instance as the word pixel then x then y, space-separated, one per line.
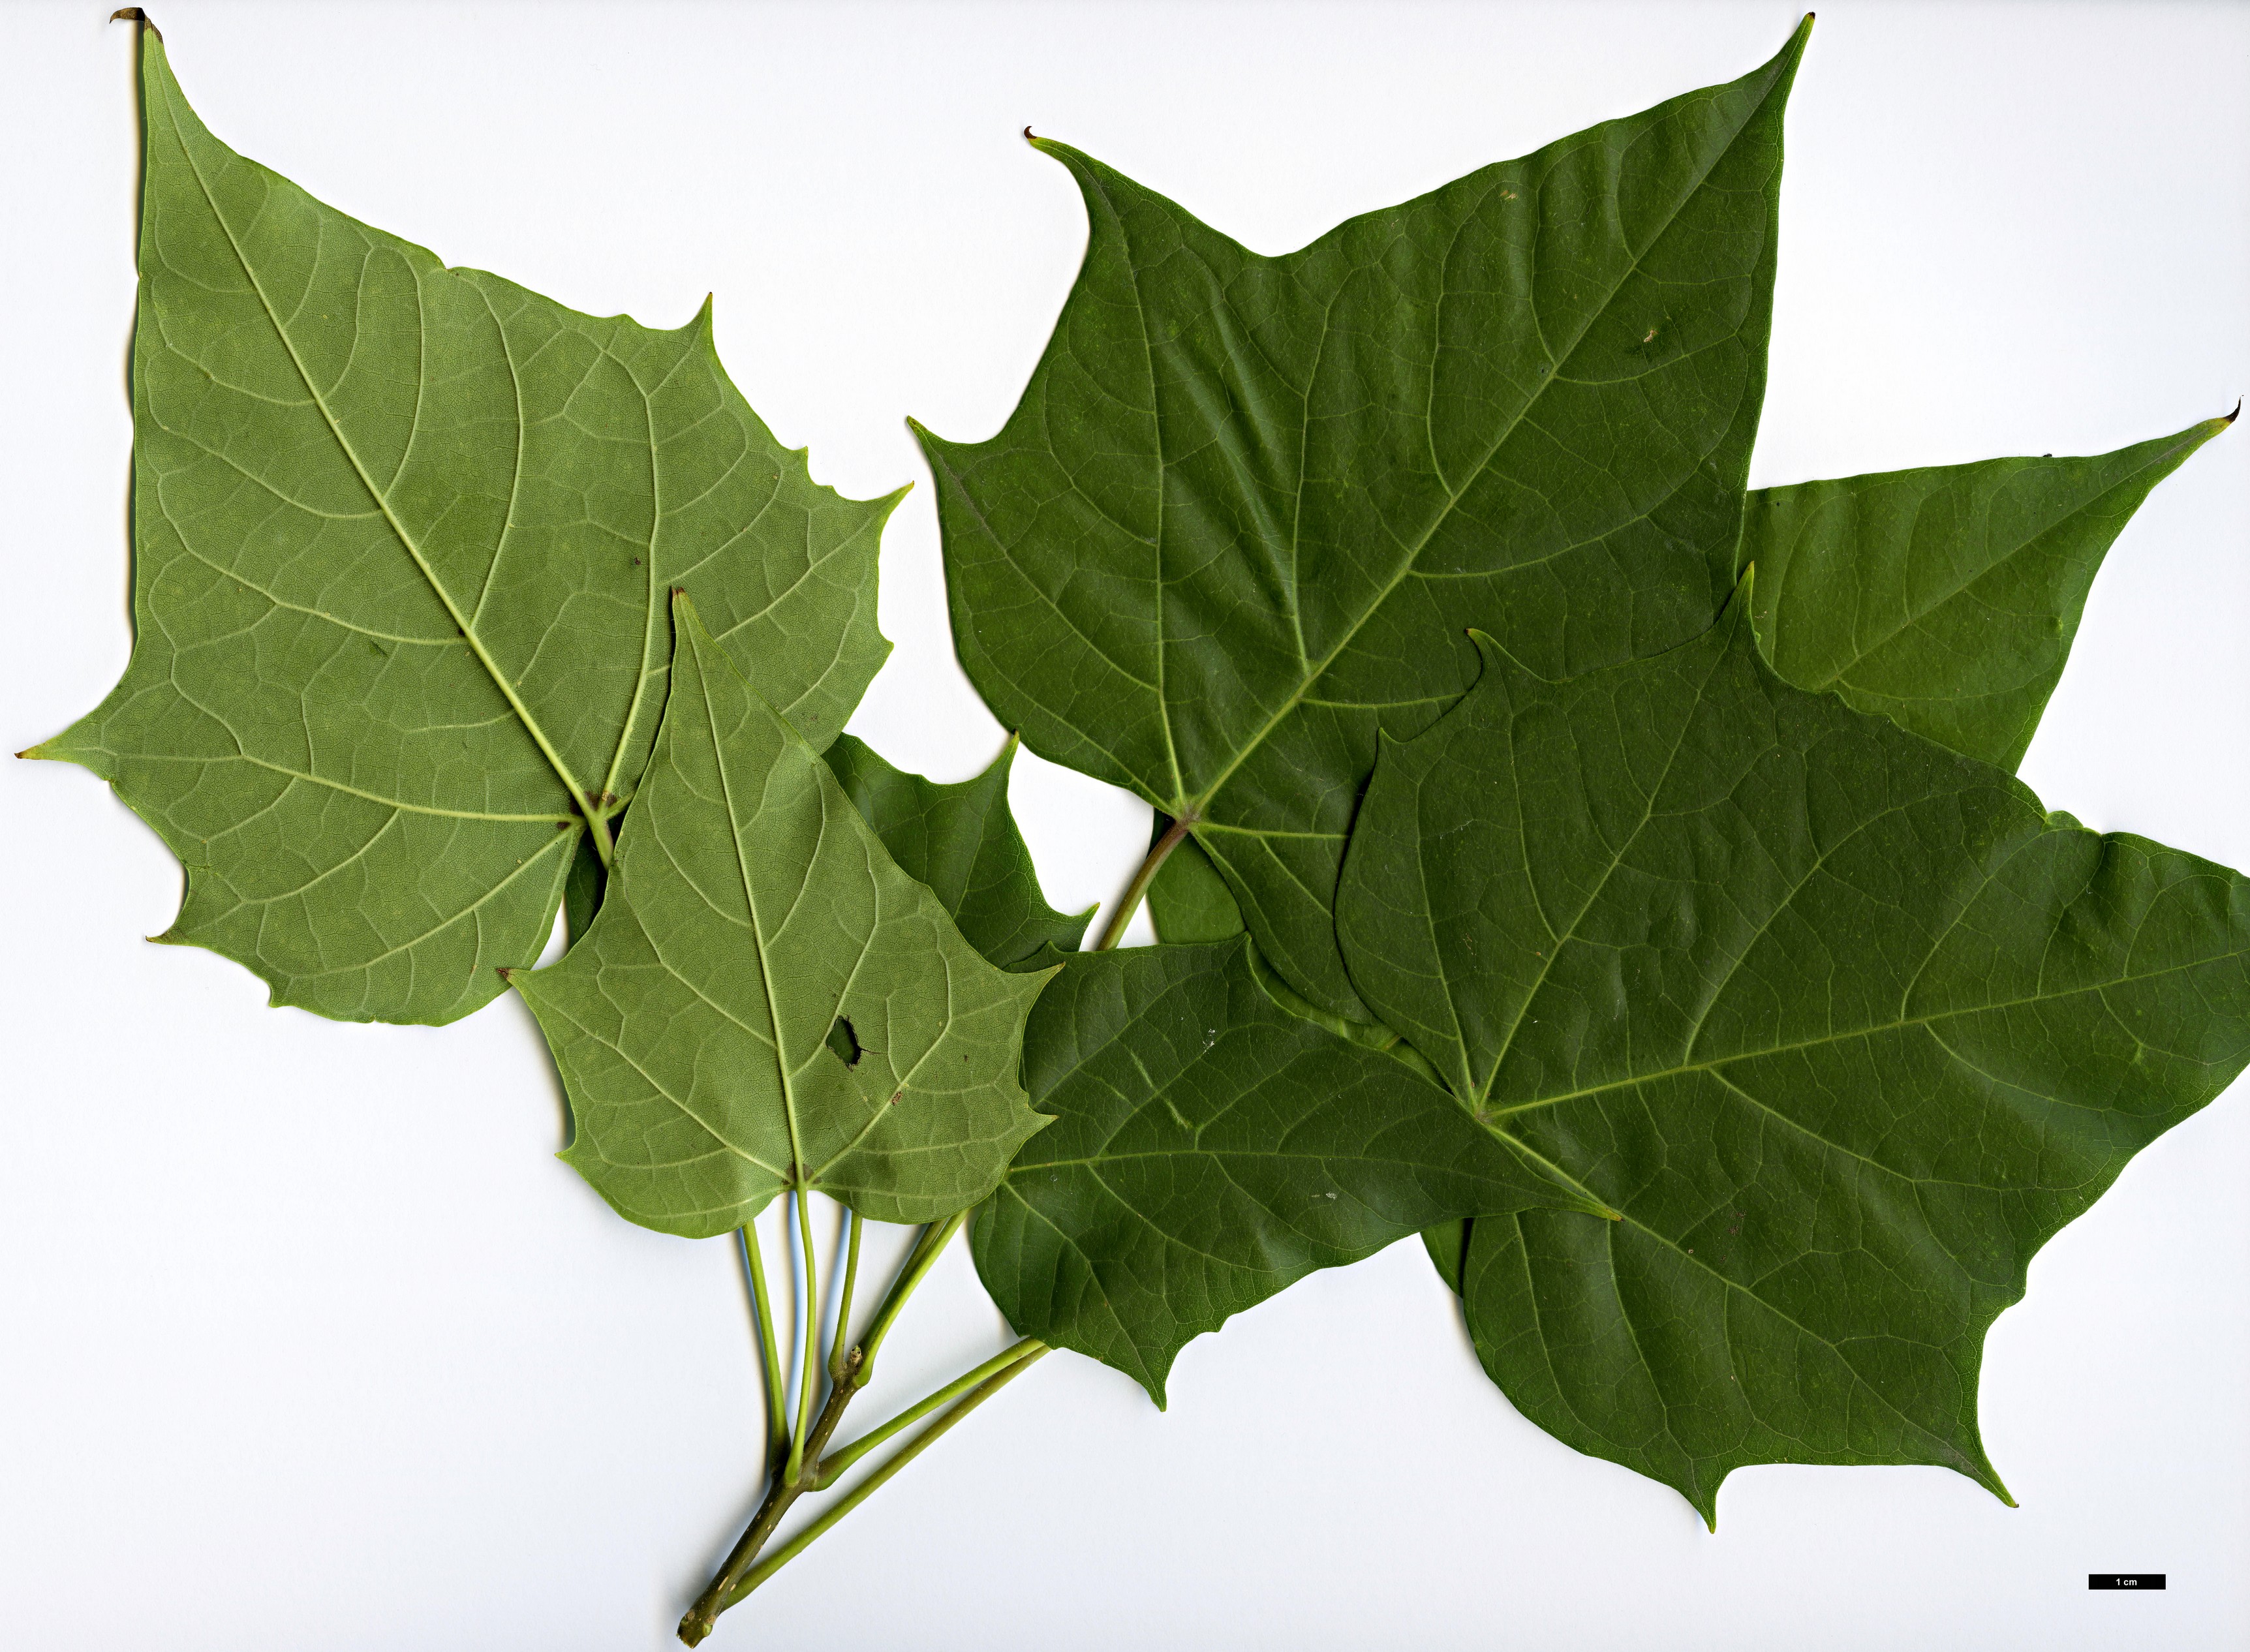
pixel 1189 902
pixel 582 891
pixel 1448 1245
pixel 750 912
pixel 1209 1149
pixel 402 535
pixel 1523 402
pixel 1946 598
pixel 1842 1023
pixel 962 841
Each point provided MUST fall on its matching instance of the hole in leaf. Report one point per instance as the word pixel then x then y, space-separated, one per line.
pixel 844 1042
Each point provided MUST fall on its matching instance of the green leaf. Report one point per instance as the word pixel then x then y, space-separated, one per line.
pixel 1842 1023
pixel 402 535
pixel 1946 599
pixel 1523 402
pixel 1448 1245
pixel 962 841
pixel 1209 1150
pixel 1189 902
pixel 750 910
pixel 582 891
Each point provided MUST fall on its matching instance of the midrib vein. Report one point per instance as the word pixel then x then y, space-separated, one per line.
pixel 648 600
pixel 1863 651
pixel 1156 542
pixel 750 905
pixel 399 529
pixel 1716 1063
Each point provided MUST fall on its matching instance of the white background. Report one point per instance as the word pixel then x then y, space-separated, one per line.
pixel 308 1342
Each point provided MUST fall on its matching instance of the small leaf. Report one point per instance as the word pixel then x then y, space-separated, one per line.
pixel 751 915
pixel 1945 599
pixel 1249 506
pixel 1189 902
pixel 402 535
pixel 962 841
pixel 1844 1024
pixel 1209 1150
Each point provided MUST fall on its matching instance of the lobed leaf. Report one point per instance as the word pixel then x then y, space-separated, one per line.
pixel 753 918
pixel 962 841
pixel 1842 1023
pixel 1524 402
pixel 1208 1150
pixel 402 535
pixel 1946 599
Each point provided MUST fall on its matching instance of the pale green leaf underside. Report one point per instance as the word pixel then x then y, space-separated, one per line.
pixel 1842 1022
pixel 402 538
pixel 1209 1149
pixel 749 908
pixel 1947 598
pixel 1523 402
pixel 962 841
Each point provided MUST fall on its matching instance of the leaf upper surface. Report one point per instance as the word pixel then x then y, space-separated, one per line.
pixel 1842 1023
pixel 1946 598
pixel 1523 402
pixel 749 911
pixel 402 539
pixel 962 841
pixel 1209 1149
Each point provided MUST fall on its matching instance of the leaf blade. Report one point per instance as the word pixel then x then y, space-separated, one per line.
pixel 962 841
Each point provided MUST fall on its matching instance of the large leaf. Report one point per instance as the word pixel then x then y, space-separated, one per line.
pixel 752 917
pixel 1946 598
pixel 1842 1023
pixel 402 535
pixel 1211 1149
pixel 962 841
pixel 1523 402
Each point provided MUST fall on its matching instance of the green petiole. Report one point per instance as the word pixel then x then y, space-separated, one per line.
pixel 833 1465
pixel 867 1487
pixel 776 1407
pixel 836 1368
pixel 809 1348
